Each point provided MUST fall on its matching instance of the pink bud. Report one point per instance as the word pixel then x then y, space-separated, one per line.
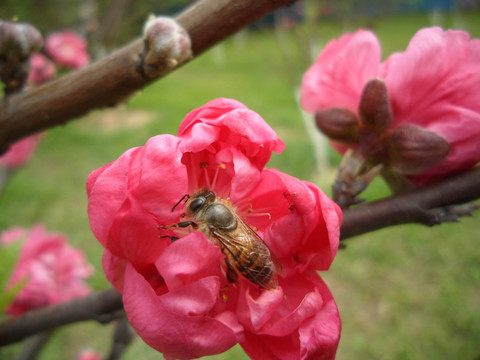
pixel 167 44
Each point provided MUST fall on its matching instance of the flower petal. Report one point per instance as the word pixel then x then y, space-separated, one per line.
pixel 106 191
pixel 114 269
pixel 167 323
pixel 435 83
pixel 306 324
pixel 188 260
pixel 255 308
pixel 306 233
pixel 230 122
pixel 157 179
pixel 337 77
pixel 319 335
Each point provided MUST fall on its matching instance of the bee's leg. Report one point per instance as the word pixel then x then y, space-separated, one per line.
pixel 172 238
pixel 181 224
pixel 232 275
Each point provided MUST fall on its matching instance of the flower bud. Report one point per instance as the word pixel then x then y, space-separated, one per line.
pixel 413 149
pixel 374 108
pixel 67 48
pixel 41 69
pixel 167 44
pixel 18 40
pixel 339 125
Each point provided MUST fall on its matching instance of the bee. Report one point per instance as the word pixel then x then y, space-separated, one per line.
pixel 241 245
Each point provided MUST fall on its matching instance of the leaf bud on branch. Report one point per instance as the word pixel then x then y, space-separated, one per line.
pixel 17 42
pixel 338 124
pixel 413 149
pixel 166 45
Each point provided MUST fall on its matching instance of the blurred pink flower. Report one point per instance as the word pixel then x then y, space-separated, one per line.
pixel 435 84
pixel 89 355
pixel 176 294
pixel 20 152
pixel 42 69
pixel 67 48
pixel 55 271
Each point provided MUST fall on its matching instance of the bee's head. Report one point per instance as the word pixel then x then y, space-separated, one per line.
pixel 197 201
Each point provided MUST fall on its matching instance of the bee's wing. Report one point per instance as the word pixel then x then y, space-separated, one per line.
pixel 243 245
pixel 276 262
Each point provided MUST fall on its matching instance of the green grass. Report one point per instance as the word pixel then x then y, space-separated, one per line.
pixel 407 292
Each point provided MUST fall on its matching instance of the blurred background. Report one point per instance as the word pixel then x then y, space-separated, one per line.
pixel 407 292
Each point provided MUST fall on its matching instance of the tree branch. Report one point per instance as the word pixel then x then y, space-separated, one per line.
pixel 33 346
pixel 114 78
pixel 421 205
pixel 122 337
pixel 102 306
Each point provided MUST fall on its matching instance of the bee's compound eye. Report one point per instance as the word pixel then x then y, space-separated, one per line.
pixel 197 204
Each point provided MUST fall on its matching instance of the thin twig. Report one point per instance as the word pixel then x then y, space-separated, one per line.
pixel 122 337
pixel 418 206
pixel 33 346
pixel 102 306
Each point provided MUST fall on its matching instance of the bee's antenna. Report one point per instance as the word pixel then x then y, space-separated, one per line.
pixel 179 201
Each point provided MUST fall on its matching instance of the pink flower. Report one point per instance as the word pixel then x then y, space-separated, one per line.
pixel 434 84
pixel 176 294
pixel 89 355
pixel 42 69
pixel 55 271
pixel 20 152
pixel 67 48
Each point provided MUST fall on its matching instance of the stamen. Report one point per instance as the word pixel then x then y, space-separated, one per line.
pixel 194 179
pixel 223 293
pixel 204 166
pixel 250 213
pixel 263 210
pixel 244 204
pixel 222 166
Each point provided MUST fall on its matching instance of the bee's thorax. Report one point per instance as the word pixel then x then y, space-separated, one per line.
pixel 220 217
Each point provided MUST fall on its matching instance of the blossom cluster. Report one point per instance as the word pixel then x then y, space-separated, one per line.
pixel 53 270
pixel 176 293
pixel 431 121
pixel 65 48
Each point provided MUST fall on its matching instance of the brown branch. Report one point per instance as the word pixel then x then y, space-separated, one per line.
pixel 117 76
pixel 122 337
pixel 423 205
pixel 33 346
pixel 102 306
